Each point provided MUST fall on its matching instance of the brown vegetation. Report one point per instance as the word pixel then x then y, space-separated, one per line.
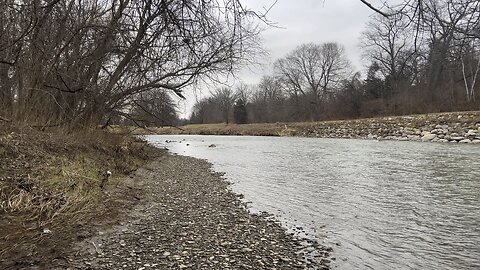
pixel 459 122
pixel 50 187
pixel 84 63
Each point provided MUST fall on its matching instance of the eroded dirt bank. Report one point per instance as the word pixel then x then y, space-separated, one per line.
pixel 187 219
pixel 51 191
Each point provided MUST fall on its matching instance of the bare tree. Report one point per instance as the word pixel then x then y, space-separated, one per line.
pixel 388 42
pixel 470 62
pixel 314 71
pixel 153 108
pixel 224 98
pixel 81 62
pixel 244 91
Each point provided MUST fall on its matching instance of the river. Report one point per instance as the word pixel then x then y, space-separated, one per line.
pixel 379 204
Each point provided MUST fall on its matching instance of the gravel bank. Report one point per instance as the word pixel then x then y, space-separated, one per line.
pixel 454 127
pixel 457 127
pixel 188 219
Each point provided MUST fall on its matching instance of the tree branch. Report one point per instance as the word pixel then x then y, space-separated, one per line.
pixel 370 6
pixel 5 119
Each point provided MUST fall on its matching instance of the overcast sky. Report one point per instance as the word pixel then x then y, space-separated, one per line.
pixel 302 21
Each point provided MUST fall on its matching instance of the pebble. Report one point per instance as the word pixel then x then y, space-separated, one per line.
pixel 425 128
pixel 192 220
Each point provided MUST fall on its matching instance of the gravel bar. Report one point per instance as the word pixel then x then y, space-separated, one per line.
pixel 188 219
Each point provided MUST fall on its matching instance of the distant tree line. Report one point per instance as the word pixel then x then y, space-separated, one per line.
pixel 423 56
pixel 81 63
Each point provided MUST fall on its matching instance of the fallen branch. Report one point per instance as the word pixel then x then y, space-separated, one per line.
pixel 5 119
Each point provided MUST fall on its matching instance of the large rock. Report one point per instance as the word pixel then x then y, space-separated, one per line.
pixel 471 133
pixel 428 137
pixel 438 131
pixel 465 141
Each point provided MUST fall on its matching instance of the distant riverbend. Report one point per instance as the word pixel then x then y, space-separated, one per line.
pixel 457 127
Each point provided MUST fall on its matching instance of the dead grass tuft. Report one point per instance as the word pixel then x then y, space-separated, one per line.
pixel 53 179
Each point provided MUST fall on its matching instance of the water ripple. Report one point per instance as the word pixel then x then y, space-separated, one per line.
pixel 382 205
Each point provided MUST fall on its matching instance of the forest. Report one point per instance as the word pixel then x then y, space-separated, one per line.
pixel 83 63
pixel 88 63
pixel 422 57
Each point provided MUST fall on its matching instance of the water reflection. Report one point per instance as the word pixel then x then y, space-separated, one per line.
pixel 382 205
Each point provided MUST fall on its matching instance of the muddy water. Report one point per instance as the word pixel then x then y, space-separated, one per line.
pixel 380 205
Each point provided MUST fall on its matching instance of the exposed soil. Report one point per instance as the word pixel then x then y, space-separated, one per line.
pixel 50 190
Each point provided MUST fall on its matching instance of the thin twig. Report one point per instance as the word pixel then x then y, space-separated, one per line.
pixel 5 119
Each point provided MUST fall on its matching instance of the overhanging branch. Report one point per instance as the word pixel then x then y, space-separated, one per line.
pixel 370 6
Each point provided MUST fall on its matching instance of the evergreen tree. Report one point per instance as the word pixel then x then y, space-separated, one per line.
pixel 240 112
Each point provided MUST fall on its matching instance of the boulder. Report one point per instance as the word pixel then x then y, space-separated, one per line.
pixel 471 133
pixel 428 137
pixel 465 141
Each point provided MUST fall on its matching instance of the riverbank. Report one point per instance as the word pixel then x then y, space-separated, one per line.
pixel 173 213
pixel 454 127
pixel 188 219
pixel 53 186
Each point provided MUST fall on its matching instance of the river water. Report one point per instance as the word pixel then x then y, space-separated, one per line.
pixel 379 204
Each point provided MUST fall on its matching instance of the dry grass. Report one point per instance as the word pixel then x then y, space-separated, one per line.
pixel 53 180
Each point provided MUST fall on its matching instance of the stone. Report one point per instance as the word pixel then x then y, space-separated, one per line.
pixel 465 141
pixel 415 138
pixel 428 137
pixel 471 133
pixel 457 138
pixel 476 141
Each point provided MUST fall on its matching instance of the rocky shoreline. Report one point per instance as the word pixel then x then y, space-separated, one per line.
pixel 188 219
pixel 460 127
pixel 454 127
